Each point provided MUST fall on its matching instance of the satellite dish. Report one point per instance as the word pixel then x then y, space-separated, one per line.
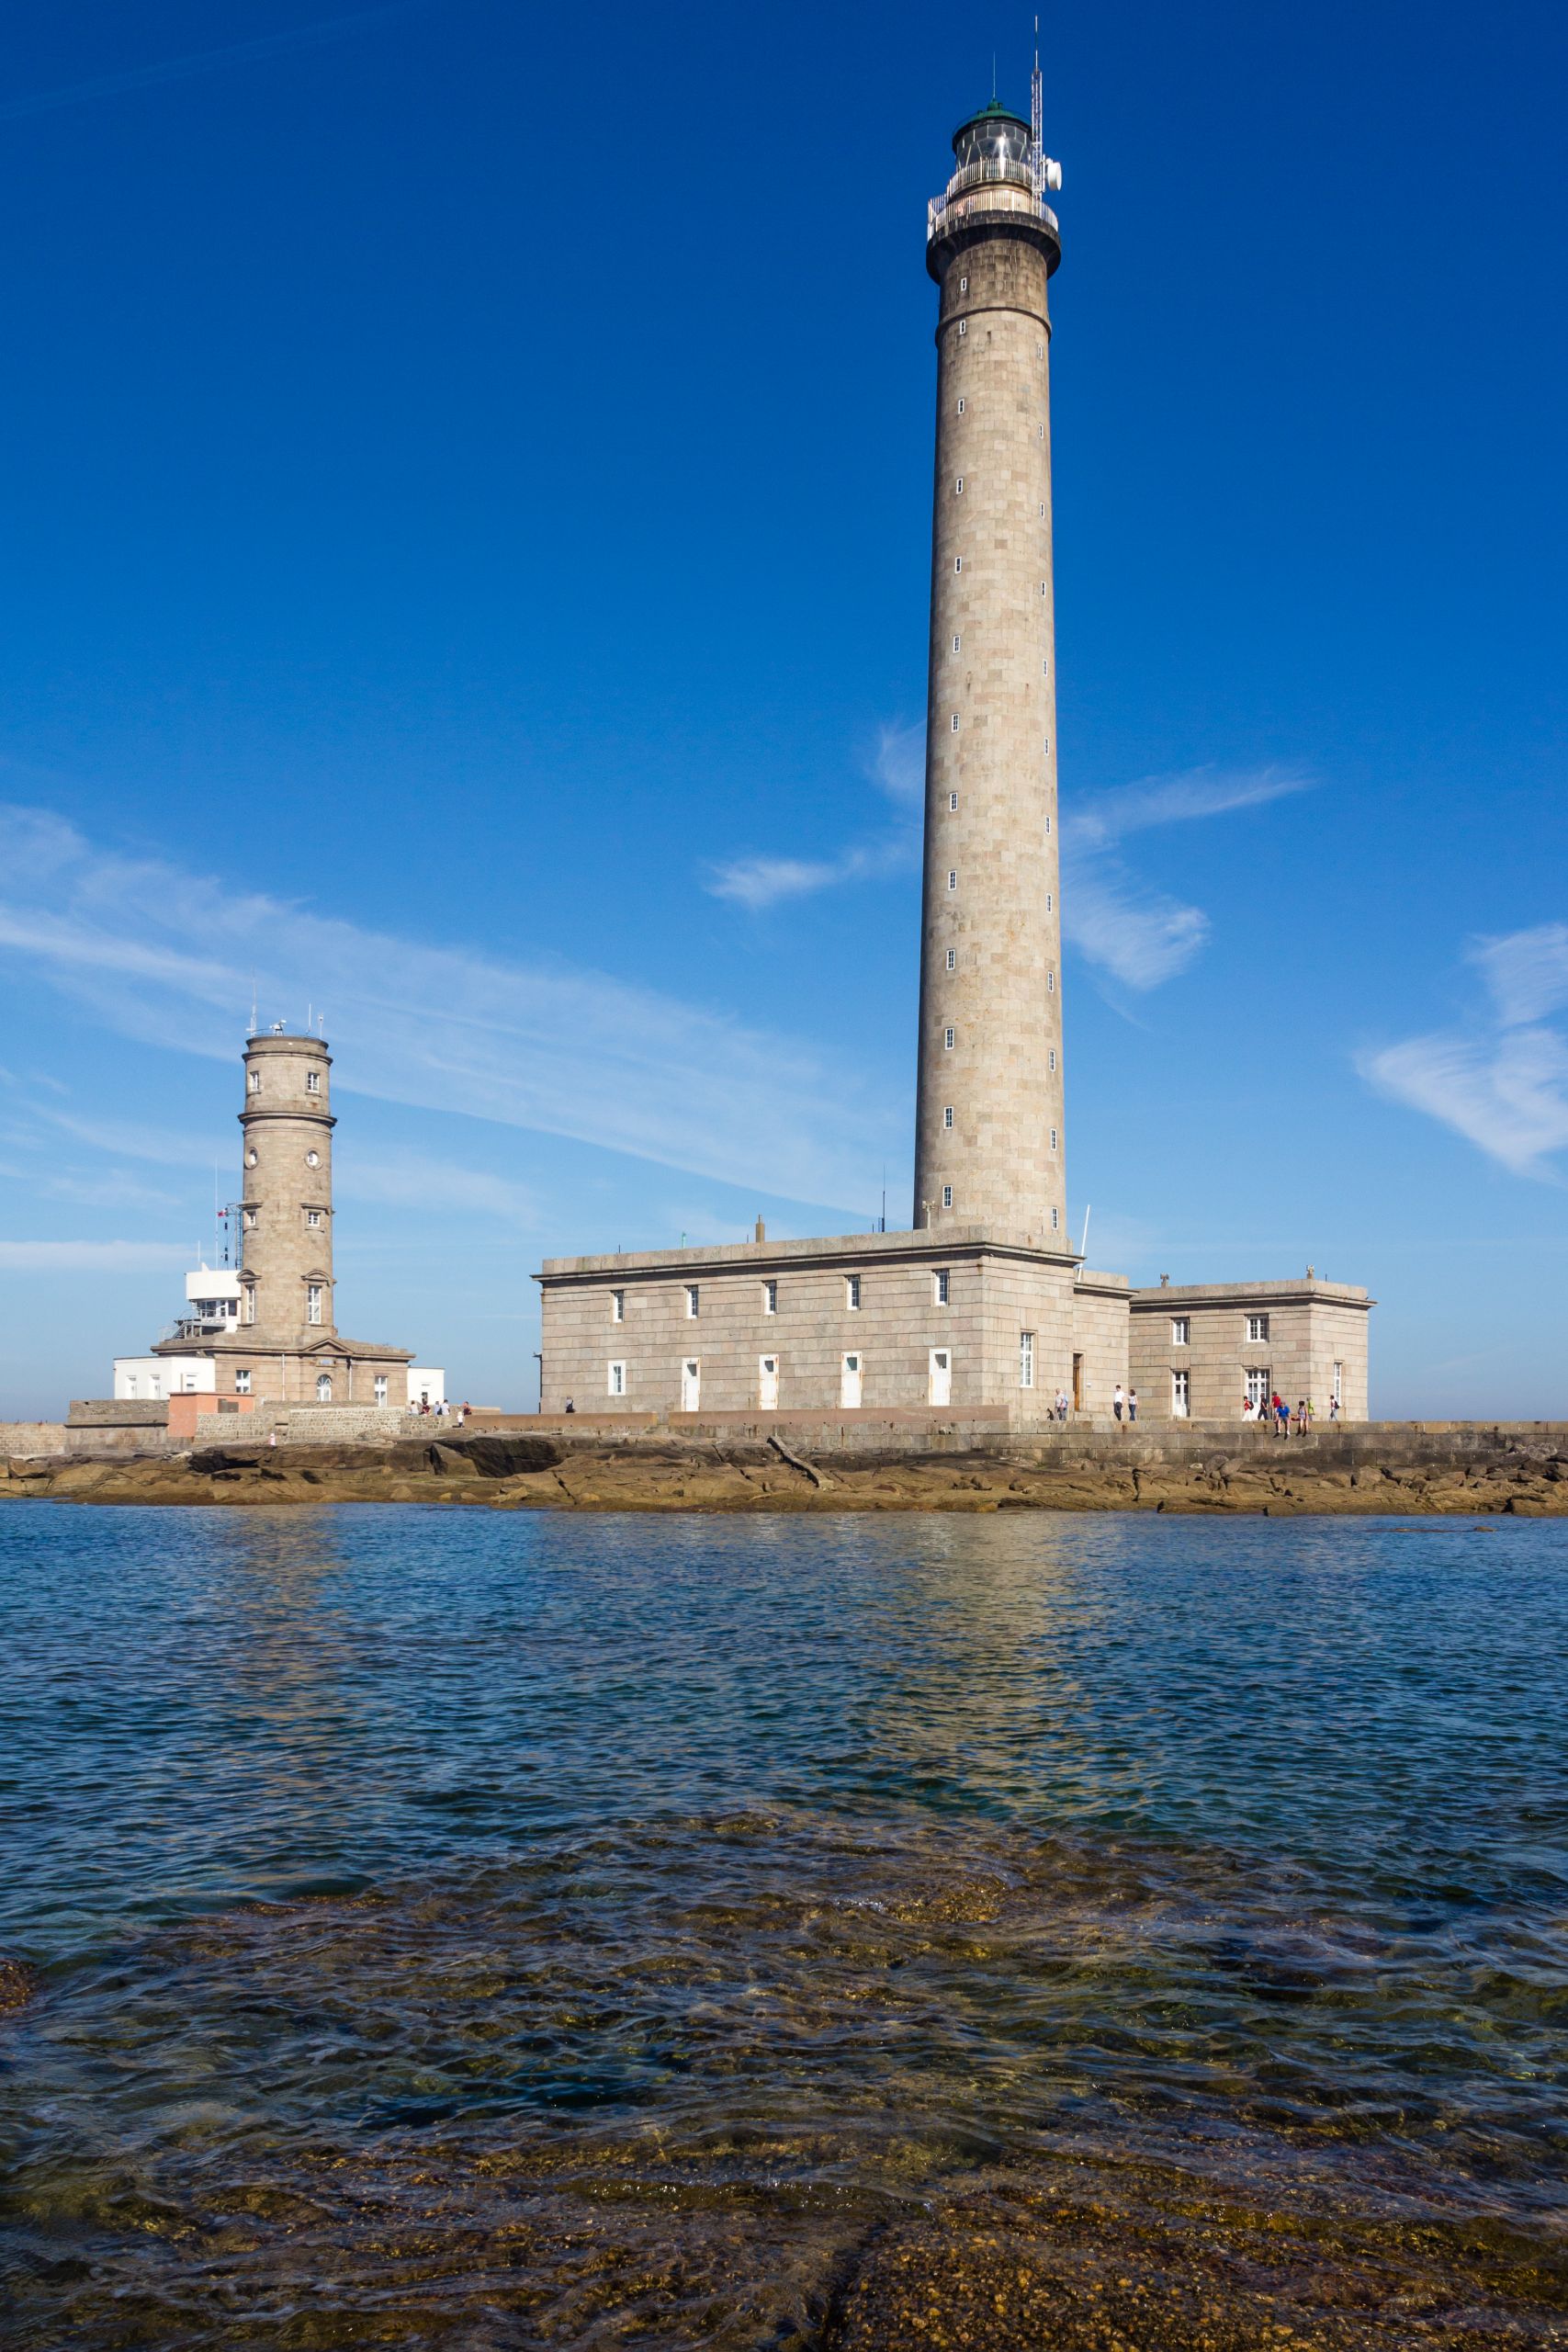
pixel 1053 173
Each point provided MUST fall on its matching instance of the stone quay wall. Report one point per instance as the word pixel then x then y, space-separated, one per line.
pixel 18 1439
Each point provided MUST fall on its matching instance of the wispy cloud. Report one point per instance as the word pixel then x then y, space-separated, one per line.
pixel 1503 1081
pixel 417 1180
pixel 180 69
pixel 1119 925
pixel 89 1257
pixel 1132 933
pixel 166 955
pixel 897 767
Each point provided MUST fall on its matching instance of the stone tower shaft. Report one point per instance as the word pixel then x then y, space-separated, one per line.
pixel 988 1148
pixel 285 1213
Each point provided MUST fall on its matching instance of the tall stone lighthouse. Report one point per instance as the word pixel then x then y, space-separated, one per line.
pixel 988 1125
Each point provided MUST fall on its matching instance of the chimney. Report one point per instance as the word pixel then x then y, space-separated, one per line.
pixel 762 1230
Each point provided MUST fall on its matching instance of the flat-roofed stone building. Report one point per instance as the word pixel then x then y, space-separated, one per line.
pixel 861 1322
pixel 1207 1350
pixel 984 1304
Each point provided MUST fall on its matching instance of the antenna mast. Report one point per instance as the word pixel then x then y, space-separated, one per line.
pixel 1037 124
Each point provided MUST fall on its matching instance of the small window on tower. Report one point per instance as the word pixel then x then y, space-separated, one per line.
pixel 947 1039
pixel 1040 350
pixel 947 1196
pixel 958 563
pixel 1055 1219
pixel 250 1160
pixel 1051 1057
pixel 242 1383
pixel 961 408
pixel 249 1217
pixel 947 1114
pixel 693 1302
pixel 1045 587
pixel 313 1081
pixel 1047 824
pixel 952 878
pixel 964 323
pixel 1050 981
pixel 253 1081
pixel 251 1304
pixel 1042 432
pixel 618 1307
pixel 312 1302
pixel 770 1298
pixel 852 1291
pixel 312 1159
pixel 958 487
pixel 1047 901
pixel 313 1218
pixel 1044 668
pixel 952 796
pixel 1053 1139
pixel 942 1282
pixel 963 285
pixel 1043 507
pixel 953 959
pixel 956 722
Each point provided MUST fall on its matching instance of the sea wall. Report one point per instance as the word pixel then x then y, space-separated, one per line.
pixel 21 1438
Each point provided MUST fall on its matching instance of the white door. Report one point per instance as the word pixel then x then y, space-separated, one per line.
pixel 940 1387
pixel 691 1384
pixel 768 1383
pixel 1257 1393
pixel 848 1382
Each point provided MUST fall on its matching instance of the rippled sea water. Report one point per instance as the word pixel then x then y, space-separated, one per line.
pixel 495 1930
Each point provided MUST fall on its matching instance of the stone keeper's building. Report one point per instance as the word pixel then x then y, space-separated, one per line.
pixel 983 1303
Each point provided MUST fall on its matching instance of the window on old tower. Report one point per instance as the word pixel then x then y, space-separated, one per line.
pixel 1051 1058
pixel 961 407
pixel 693 1302
pixel 253 1081
pixel 618 1307
pixel 958 487
pixel 947 1114
pixel 952 796
pixel 313 1081
pixel 1026 1359
pixel 242 1383
pixel 313 1218
pixel 956 722
pixel 1055 1219
pixel 947 1040
pixel 312 1302
pixel 952 878
pixel 312 1159
pixel 947 1196
pixel 942 1285
pixel 1053 1139
pixel 852 1291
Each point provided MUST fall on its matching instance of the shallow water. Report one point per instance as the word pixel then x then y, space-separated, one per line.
pixel 493 1929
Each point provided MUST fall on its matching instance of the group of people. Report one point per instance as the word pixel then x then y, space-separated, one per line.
pixel 1274 1410
pixel 441 1411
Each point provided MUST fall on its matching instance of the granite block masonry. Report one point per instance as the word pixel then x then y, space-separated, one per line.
pixel 983 1303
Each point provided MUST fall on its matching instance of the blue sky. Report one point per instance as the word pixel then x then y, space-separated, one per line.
pixel 467 520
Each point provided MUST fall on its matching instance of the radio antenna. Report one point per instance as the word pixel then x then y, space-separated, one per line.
pixel 1037 124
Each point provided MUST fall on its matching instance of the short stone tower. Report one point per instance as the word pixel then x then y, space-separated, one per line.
pixel 285 1213
pixel 988 1137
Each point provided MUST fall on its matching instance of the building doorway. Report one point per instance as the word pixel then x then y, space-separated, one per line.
pixel 1258 1392
pixel 768 1383
pixel 1181 1395
pixel 1077 1383
pixel 849 1383
pixel 939 1385
pixel 691 1384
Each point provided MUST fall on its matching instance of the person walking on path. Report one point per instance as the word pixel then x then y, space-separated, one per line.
pixel 1117 1400
pixel 1132 1404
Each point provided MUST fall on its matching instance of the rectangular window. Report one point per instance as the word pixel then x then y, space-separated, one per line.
pixel 251 1304
pixel 313 1081
pixel 1053 1139
pixel 960 403
pixel 953 959
pixel 242 1383
pixel 1180 1330
pixel 1338 1389
pixel 253 1081
pixel 947 1196
pixel 249 1219
pixel 941 1283
pixel 1257 1327
pixel 1181 1394
pixel 1055 1219
pixel 963 326
pixel 958 563
pixel 312 1302
pixel 952 796
pixel 851 1290
pixel 1051 981
pixel 770 1298
pixel 1047 901
pixel 313 1219
pixel 952 878
pixel 618 1307
pixel 1051 1058
pixel 380 1389
pixel 693 1302
pixel 947 1114
pixel 1026 1359
pixel 956 722
pixel 958 487
pixel 617 1380
pixel 947 1039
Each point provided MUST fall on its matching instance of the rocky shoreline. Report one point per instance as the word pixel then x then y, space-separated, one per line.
pixel 523 1472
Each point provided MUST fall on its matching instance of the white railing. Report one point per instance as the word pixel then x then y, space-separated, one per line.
pixel 955 201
